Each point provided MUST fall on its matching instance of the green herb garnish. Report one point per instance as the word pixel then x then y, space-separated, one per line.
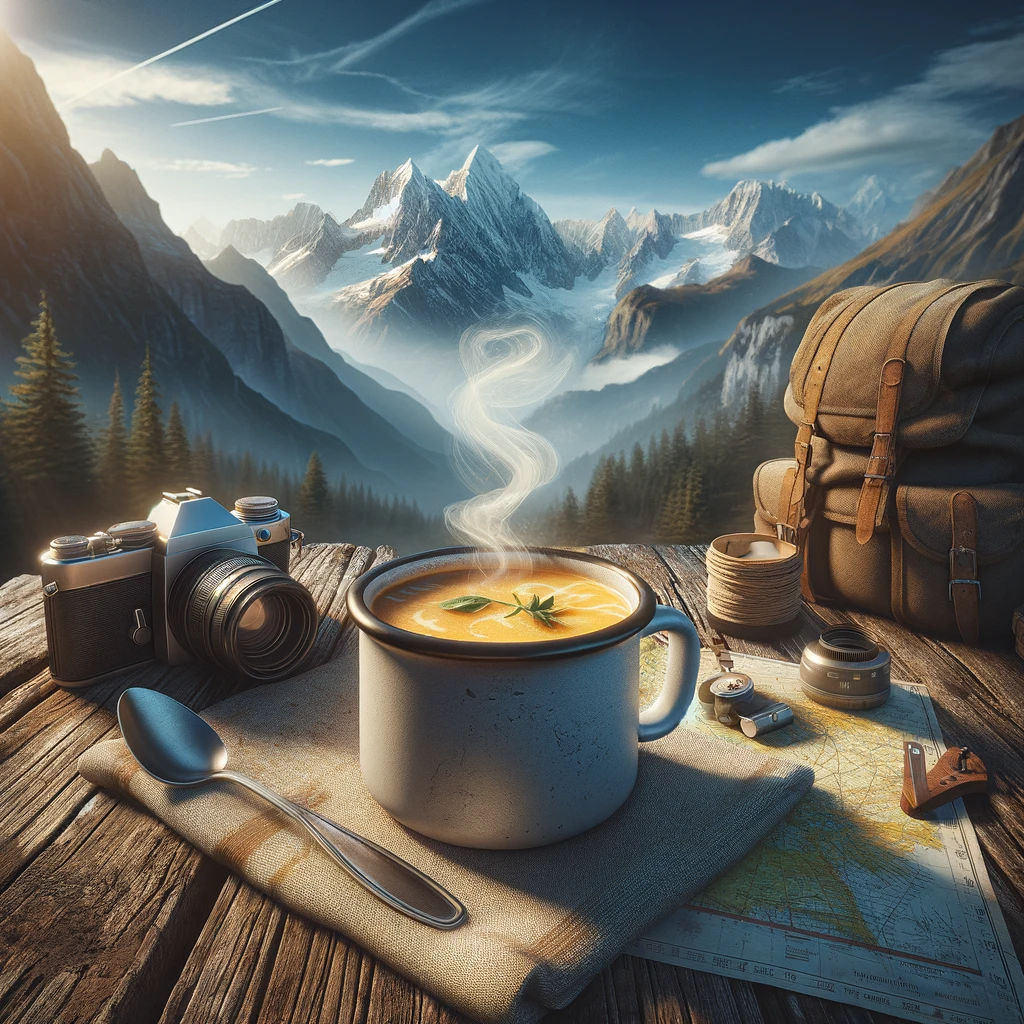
pixel 543 611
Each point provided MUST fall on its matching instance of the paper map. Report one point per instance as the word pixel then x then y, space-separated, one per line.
pixel 851 899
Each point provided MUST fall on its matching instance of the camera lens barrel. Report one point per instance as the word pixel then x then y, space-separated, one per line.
pixel 242 613
pixel 846 669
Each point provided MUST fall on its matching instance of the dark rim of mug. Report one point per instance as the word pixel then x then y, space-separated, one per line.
pixel 406 640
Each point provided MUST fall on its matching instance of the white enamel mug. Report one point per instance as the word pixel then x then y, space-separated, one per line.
pixel 511 745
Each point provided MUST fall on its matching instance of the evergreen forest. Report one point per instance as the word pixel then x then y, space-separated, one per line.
pixel 684 488
pixel 59 475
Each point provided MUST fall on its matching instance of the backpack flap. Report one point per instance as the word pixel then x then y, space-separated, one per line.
pixel 958 559
pixel 876 367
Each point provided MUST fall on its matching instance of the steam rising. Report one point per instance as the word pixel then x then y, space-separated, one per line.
pixel 507 367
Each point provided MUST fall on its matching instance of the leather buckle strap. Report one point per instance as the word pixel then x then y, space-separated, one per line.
pixel 970 583
pixel 963 569
pixel 802 444
pixel 881 452
pixel 964 585
pixel 963 560
pixel 879 468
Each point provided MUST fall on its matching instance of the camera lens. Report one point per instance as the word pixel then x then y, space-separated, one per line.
pixel 243 613
pixel 847 669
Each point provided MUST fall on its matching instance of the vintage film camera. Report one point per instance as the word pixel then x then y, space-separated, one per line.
pixel 193 581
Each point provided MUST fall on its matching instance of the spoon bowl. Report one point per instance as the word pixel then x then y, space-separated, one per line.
pixel 175 746
pixel 170 741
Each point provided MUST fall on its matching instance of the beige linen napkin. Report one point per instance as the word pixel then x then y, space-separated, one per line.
pixel 541 922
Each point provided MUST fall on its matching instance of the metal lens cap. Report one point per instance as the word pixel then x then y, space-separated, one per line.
pixel 258 508
pixel 732 686
pixel 63 549
pixel 138 533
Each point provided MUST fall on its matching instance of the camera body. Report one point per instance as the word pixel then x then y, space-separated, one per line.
pixel 188 583
pixel 186 525
pixel 730 698
pixel 98 605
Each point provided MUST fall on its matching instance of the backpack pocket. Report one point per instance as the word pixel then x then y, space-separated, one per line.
pixel 930 570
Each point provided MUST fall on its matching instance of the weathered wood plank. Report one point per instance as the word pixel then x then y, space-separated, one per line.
pixel 22 634
pixel 211 948
pixel 97 927
pixel 126 889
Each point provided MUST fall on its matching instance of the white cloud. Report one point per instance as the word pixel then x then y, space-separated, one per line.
pixel 294 195
pixel 341 57
pixel 67 75
pixel 220 167
pixel 621 371
pixel 338 161
pixel 516 155
pixel 928 120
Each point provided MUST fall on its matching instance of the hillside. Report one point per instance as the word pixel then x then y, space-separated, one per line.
pixel 970 228
pixel 692 314
pixel 404 412
pixel 250 337
pixel 58 233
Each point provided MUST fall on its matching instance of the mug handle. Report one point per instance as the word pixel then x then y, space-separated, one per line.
pixel 680 677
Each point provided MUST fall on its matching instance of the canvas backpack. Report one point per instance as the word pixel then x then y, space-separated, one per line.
pixel 906 492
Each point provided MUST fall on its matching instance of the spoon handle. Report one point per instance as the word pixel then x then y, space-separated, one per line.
pixel 386 875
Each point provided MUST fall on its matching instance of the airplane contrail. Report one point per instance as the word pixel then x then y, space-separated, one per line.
pixel 167 53
pixel 224 117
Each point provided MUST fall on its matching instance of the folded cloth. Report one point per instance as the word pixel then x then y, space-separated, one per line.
pixel 542 922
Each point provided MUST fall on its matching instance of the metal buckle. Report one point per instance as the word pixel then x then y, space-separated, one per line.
pixel 958 566
pixel 973 583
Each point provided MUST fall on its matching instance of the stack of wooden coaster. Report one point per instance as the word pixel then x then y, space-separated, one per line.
pixel 753 585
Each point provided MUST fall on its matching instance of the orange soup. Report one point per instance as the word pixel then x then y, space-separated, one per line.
pixel 519 606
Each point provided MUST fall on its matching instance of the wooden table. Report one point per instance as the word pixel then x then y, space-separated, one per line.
pixel 106 915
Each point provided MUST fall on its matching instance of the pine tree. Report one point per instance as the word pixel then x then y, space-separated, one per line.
pixel 596 524
pixel 112 455
pixel 177 452
pixel 570 524
pixel 670 526
pixel 693 522
pixel 146 468
pixel 204 464
pixel 313 505
pixel 47 446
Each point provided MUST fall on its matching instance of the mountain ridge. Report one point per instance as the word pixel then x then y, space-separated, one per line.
pixel 970 228
pixel 252 340
pixel 58 233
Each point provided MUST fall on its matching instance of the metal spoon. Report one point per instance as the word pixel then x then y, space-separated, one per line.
pixel 176 747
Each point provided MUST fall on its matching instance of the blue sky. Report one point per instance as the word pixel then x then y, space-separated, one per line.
pixel 591 105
